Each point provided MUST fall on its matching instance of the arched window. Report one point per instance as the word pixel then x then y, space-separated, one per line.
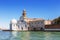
pixel 22 28
pixel 22 21
pixel 34 29
pixel 41 28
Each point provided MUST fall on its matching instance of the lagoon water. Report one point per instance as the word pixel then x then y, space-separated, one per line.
pixel 29 35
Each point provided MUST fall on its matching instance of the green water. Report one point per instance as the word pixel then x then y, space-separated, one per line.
pixel 6 35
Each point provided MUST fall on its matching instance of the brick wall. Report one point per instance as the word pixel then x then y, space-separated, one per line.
pixel 54 26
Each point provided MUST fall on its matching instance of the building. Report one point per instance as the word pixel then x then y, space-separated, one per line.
pixel 13 24
pixel 48 22
pixel 25 23
pixel 36 24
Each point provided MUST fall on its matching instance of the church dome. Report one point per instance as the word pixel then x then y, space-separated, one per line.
pixel 13 21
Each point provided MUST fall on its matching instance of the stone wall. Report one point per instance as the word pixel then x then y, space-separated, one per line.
pixel 35 28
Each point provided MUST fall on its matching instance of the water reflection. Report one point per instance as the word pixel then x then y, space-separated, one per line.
pixel 25 35
pixel 47 36
pixel 15 35
pixel 4 35
pixel 37 35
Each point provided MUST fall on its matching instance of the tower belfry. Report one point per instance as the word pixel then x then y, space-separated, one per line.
pixel 24 13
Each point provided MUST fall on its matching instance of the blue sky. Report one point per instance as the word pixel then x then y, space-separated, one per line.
pixel 46 9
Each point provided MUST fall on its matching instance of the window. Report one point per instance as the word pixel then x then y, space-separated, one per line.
pixel 18 26
pixel 21 20
pixel 14 25
pixel 41 22
pixel 25 25
pixel 38 22
pixel 22 28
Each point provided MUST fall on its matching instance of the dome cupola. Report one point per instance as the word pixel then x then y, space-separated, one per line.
pixel 13 21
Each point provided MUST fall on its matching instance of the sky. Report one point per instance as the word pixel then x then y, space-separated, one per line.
pixel 10 9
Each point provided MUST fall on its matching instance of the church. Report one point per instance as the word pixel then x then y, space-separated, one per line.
pixel 24 23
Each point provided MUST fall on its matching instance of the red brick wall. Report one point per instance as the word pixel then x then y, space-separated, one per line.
pixel 54 26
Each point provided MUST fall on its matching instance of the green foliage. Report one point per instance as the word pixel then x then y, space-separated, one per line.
pixel 57 20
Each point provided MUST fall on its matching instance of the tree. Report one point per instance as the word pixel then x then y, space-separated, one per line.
pixel 57 20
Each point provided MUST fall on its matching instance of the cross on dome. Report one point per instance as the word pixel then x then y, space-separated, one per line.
pixel 24 10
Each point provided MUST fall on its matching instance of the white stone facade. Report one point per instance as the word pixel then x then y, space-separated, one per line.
pixel 24 23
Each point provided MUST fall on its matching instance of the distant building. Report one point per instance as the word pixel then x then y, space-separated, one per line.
pixel 48 22
pixel 25 23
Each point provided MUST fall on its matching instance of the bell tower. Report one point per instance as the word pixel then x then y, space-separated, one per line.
pixel 24 13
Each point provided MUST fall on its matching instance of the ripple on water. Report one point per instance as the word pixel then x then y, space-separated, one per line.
pixel 6 35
